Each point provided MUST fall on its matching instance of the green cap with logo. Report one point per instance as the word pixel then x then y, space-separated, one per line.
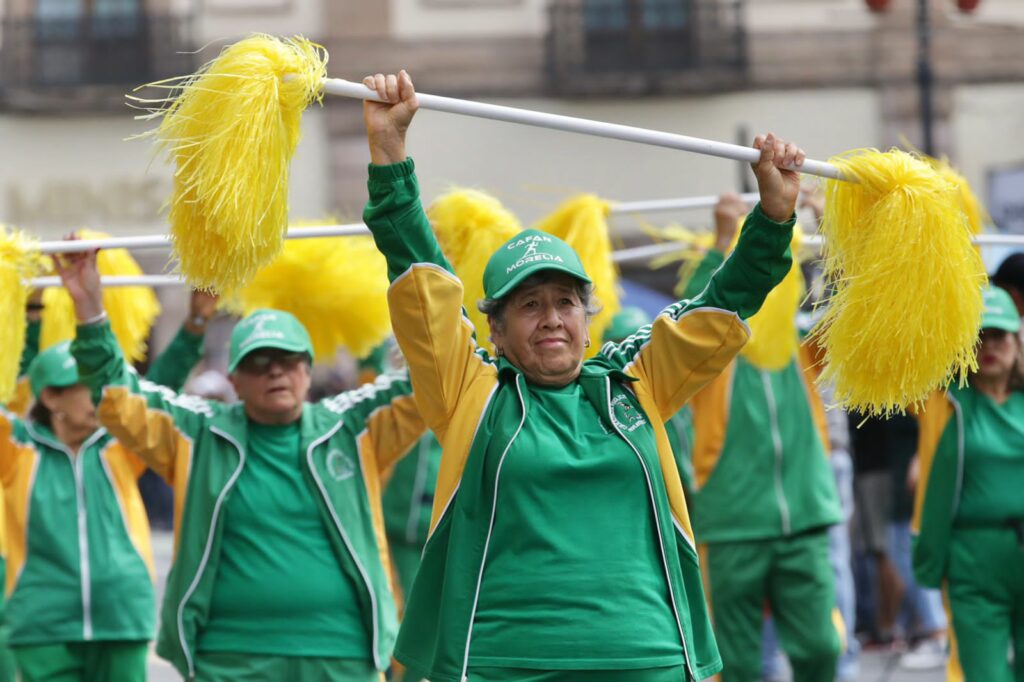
pixel 1000 311
pixel 54 367
pixel 268 328
pixel 626 321
pixel 529 252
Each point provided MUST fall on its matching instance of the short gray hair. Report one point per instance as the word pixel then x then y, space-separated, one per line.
pixel 494 308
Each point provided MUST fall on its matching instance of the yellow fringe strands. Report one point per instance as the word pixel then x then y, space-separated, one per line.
pixel 903 319
pixel 336 286
pixel 132 310
pixel 692 247
pixel 19 262
pixel 774 339
pixel 972 206
pixel 470 225
pixel 582 222
pixel 232 129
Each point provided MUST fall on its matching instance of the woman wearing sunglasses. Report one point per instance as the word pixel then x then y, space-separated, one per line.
pixel 279 568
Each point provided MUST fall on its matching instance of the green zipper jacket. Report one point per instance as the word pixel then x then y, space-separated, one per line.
pixel 946 422
pixel 760 458
pixel 476 407
pixel 200 446
pixel 80 564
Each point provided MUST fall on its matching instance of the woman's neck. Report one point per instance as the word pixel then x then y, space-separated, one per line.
pixel 997 388
pixel 71 438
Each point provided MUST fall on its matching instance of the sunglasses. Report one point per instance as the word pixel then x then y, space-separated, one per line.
pixel 260 362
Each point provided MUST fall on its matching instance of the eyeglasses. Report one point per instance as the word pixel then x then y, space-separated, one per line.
pixel 260 362
pixel 994 335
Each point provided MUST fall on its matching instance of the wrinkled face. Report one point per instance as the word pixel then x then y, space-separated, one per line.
pixel 544 331
pixel 71 409
pixel 273 385
pixel 997 354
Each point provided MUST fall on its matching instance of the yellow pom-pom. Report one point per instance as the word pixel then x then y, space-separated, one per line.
pixel 336 287
pixel 132 310
pixel 19 262
pixel 470 226
pixel 773 335
pixel 232 129
pixel 582 222
pixel 903 320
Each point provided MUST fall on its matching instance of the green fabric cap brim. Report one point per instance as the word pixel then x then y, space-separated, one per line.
pixel 268 328
pixel 526 254
pixel 532 269
pixel 1000 311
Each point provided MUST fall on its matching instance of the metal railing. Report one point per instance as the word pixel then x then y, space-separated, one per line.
pixel 122 50
pixel 594 45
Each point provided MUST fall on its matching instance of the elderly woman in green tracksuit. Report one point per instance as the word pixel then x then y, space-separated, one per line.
pixel 79 571
pixel 969 508
pixel 280 558
pixel 560 548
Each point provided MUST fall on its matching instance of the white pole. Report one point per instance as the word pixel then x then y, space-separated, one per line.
pixel 629 255
pixel 615 131
pixel 657 205
pixel 117 281
pixel 639 253
pixel 163 241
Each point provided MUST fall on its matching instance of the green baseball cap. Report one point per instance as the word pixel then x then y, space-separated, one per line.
pixel 528 253
pixel 1000 311
pixel 54 367
pixel 268 328
pixel 625 322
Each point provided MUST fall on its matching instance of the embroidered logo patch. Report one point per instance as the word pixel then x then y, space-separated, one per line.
pixel 340 466
pixel 627 417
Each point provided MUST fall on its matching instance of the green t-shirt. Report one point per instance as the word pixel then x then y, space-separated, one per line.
pixel 279 588
pixel 573 576
pixel 993 458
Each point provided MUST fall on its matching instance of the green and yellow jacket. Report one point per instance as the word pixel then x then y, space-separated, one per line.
pixel 476 406
pixel 200 447
pixel 961 431
pixel 76 537
pixel 760 454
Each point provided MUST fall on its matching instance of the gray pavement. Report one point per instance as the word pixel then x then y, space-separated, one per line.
pixel 875 666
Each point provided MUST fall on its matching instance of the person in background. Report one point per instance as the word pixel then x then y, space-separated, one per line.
pixel 80 588
pixel 1010 277
pixel 281 564
pixel 760 436
pixel 922 615
pixel 969 510
pixel 171 369
pixel 875 444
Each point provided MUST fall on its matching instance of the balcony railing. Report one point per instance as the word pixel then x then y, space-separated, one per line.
pixel 119 50
pixel 616 46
